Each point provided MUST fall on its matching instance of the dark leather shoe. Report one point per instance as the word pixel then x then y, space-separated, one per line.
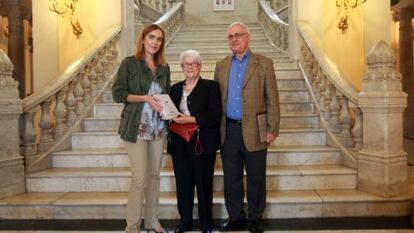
pixel 181 228
pixel 255 227
pixel 232 225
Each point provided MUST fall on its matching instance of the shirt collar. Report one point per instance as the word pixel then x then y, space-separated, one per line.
pixel 246 55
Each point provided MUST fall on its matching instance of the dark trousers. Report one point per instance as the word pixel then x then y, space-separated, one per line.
pixel 192 171
pixel 235 157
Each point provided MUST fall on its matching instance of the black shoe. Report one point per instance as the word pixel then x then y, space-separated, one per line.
pixel 232 225
pixel 206 231
pixel 254 227
pixel 181 228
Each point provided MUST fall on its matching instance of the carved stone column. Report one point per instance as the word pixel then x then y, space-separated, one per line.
pixel 406 67
pixel 11 163
pixel 382 163
pixel 15 12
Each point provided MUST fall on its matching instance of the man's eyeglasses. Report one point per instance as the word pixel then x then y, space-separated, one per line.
pixel 188 65
pixel 236 36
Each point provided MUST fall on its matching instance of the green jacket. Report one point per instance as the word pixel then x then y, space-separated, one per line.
pixel 134 77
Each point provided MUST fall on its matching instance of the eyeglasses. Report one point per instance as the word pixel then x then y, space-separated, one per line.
pixel 236 36
pixel 188 65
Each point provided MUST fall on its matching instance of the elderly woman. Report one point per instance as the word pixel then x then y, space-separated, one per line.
pixel 199 102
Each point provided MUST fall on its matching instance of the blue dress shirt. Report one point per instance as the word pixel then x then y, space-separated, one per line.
pixel 235 86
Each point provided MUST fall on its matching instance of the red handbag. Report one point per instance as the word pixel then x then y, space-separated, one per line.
pixel 186 131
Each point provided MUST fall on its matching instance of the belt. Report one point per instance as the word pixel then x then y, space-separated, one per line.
pixel 234 121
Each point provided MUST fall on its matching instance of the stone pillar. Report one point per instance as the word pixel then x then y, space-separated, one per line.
pixel 382 162
pixel 11 163
pixel 15 14
pixel 406 67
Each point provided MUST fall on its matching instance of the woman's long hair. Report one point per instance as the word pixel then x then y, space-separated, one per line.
pixel 159 57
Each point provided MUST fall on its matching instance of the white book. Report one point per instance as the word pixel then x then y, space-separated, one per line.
pixel 169 111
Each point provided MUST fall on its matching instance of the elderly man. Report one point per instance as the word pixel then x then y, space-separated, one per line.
pixel 250 122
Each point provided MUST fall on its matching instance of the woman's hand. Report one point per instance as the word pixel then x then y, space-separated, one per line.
pixel 182 119
pixel 154 102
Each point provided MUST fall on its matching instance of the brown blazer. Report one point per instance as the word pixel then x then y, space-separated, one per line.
pixel 260 94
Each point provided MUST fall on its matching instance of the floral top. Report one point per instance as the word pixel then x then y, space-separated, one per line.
pixel 151 125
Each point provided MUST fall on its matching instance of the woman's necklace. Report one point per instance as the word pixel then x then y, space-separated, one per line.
pixel 189 85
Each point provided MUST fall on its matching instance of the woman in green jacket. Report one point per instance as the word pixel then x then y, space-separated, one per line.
pixel 139 78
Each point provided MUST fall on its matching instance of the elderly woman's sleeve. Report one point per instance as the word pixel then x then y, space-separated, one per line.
pixel 120 88
pixel 212 116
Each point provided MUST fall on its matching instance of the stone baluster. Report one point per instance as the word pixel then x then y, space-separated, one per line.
pixel 320 90
pixel 164 6
pixel 29 135
pixel 382 162
pixel 93 79
pixel 45 124
pixel 285 38
pixel 345 121
pixel 78 92
pixel 86 85
pixel 60 114
pixel 99 74
pixel 70 102
pixel 357 129
pixel 114 52
pixel 157 5
pixel 327 97
pixel 334 106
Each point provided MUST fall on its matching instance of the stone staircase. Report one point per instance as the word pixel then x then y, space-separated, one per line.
pixel 305 178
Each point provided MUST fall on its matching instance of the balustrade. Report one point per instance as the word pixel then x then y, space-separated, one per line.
pixel 276 30
pixel 50 118
pixel 159 5
pixel 278 4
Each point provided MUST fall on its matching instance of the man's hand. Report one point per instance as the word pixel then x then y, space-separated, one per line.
pixel 270 137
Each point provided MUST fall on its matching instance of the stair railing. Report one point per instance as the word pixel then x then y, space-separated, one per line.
pixel 276 30
pixel 172 21
pixel 335 99
pixel 51 116
pixel 161 6
pixel 276 5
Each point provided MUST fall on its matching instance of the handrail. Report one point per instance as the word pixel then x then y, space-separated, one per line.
pixel 352 160
pixel 272 15
pixel 171 21
pixel 69 73
pixel 331 70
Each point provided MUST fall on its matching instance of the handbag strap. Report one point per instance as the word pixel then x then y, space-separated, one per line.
pixel 198 147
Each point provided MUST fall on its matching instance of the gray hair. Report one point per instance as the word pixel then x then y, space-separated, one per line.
pixel 192 54
pixel 240 24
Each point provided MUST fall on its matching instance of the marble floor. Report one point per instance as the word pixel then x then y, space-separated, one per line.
pixel 327 231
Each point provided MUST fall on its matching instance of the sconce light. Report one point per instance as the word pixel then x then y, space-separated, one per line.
pixel 344 6
pixel 63 7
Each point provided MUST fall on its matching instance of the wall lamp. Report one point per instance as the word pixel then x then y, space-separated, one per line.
pixel 344 7
pixel 64 7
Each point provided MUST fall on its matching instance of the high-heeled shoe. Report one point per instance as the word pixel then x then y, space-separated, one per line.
pixel 155 231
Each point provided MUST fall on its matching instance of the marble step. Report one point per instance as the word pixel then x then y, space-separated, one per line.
pixel 225 26
pixel 117 179
pixel 222 40
pixel 208 47
pixel 214 36
pixel 217 57
pixel 287 121
pixel 287 137
pixel 280 63
pixel 205 52
pixel 177 74
pixel 286 107
pixel 276 156
pixel 221 29
pixel 280 205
